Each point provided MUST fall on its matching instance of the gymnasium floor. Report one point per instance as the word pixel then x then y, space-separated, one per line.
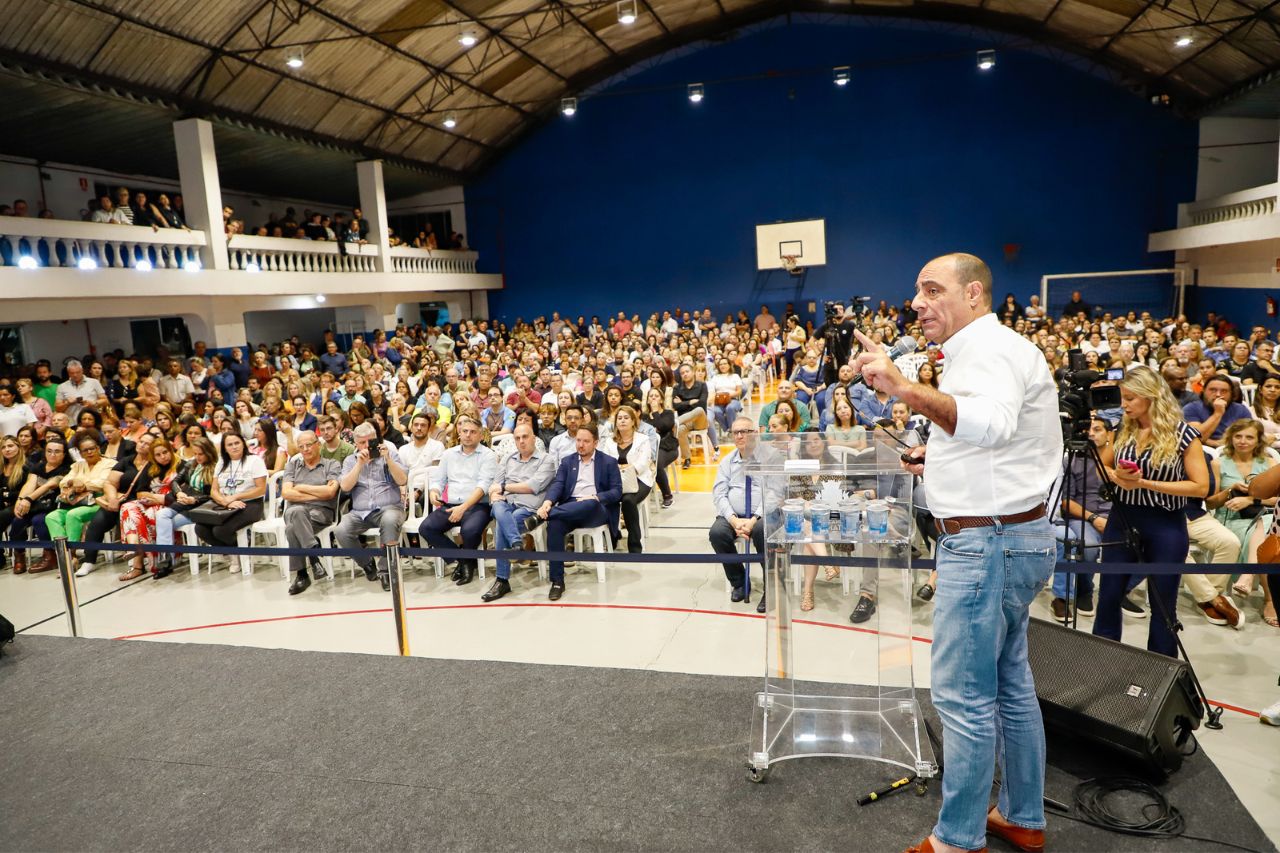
pixel 663 617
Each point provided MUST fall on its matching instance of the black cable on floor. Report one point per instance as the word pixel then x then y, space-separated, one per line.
pixel 1160 819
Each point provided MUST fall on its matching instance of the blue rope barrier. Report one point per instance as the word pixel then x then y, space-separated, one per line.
pixel 659 558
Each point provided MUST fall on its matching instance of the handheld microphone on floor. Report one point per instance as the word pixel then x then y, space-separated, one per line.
pixel 884 792
pixel 905 345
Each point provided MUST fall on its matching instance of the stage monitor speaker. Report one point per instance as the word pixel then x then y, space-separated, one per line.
pixel 1138 702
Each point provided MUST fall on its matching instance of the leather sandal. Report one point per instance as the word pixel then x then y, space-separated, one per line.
pixel 833 572
pixel 806 601
pixel 133 573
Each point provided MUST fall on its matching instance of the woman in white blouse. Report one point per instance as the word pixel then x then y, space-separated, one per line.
pixel 635 459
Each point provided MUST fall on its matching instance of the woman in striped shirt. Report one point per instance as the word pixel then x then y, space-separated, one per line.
pixel 1158 464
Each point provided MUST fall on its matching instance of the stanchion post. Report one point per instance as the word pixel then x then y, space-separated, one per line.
pixel 397 598
pixel 68 579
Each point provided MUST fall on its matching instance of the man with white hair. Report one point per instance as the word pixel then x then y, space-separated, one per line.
pixel 79 391
pixel 373 476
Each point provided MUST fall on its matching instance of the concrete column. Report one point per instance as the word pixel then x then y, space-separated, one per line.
pixel 373 204
pixel 226 323
pixel 201 189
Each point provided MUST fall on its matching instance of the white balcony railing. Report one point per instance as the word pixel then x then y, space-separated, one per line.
pixel 409 259
pixel 59 243
pixel 276 254
pixel 1233 212
pixel 1245 216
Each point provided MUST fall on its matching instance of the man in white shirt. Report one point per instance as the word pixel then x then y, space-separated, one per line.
pixel 421 451
pixel 176 387
pixel 565 444
pixel 993 453
pixel 460 495
pixel 79 391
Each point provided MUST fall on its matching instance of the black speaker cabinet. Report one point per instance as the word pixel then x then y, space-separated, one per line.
pixel 1132 700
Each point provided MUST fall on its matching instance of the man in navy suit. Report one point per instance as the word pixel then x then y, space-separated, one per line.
pixel 585 493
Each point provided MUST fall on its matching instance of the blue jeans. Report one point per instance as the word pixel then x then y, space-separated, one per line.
pixel 508 520
pixel 982 685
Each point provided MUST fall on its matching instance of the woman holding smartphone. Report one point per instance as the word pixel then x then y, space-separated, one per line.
pixel 1158 464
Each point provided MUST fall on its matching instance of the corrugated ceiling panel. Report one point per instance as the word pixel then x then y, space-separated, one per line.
pixel 1153 54
pixel 1034 9
pixel 623 37
pixel 568 51
pixel 53 31
pixel 537 86
pixel 1196 79
pixel 1082 22
pixel 247 90
pixel 208 22
pixel 683 13
pixel 350 121
pixel 290 103
pixel 1228 63
pixel 144 57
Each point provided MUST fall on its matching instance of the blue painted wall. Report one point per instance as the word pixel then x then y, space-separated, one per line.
pixel 643 201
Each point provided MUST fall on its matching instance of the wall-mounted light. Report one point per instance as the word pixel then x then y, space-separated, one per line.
pixel 320 298
pixel 252 266
pixel 87 263
pixel 568 106
pixel 986 60
pixel 840 75
pixel 26 262
pixel 627 12
pixel 192 265
pixel 142 265
pixel 696 93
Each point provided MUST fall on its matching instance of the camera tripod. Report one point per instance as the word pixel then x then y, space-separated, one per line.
pixel 1083 452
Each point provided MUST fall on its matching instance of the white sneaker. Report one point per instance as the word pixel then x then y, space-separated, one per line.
pixel 85 568
pixel 1270 716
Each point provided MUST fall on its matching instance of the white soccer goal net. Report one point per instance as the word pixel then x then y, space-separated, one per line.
pixel 1161 292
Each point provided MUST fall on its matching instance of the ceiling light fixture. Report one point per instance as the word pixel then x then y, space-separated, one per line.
pixel 1183 41
pixel 568 106
pixel 451 121
pixel 696 93
pixel 986 60
pixel 295 59
pixel 467 38
pixel 627 12
pixel 840 75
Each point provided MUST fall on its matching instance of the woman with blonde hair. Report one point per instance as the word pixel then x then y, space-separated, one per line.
pixel 1158 464
pixel 12 475
pixel 1242 458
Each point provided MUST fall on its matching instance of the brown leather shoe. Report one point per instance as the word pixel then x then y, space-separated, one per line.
pixel 926 846
pixel 1228 612
pixel 20 561
pixel 46 562
pixel 1026 840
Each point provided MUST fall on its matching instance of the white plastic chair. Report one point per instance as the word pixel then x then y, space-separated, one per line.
pixel 702 438
pixel 271 526
pixel 598 537
pixel 909 364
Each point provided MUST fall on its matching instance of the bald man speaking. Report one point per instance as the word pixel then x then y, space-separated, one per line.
pixel 987 468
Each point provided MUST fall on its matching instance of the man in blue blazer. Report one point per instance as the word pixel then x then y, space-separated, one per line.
pixel 585 493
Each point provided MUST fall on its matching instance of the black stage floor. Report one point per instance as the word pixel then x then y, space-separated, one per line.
pixel 112 745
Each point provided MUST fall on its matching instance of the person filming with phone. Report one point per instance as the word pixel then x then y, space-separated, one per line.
pixel 992 456
pixel 1157 464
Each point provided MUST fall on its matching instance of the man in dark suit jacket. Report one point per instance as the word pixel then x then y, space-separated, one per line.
pixel 585 493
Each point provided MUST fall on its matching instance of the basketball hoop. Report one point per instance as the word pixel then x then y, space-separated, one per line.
pixel 789 264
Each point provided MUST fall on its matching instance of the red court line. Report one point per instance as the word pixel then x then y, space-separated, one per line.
pixel 645 607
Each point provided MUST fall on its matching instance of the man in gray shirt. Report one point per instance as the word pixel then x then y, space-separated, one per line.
pixel 518 489
pixel 309 486
pixel 460 494
pixel 79 391
pixel 374 477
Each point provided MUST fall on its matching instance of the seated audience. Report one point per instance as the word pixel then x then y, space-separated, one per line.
pixel 373 476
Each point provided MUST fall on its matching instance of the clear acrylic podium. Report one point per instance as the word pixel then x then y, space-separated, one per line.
pixel 823 496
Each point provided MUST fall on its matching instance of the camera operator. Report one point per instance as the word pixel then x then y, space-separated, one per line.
pixel 837 333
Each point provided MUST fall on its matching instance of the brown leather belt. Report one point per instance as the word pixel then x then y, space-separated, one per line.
pixel 963 522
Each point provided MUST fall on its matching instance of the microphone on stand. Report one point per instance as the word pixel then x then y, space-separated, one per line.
pixel 905 345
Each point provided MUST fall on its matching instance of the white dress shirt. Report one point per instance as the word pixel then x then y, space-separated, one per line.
pixel 1007 446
